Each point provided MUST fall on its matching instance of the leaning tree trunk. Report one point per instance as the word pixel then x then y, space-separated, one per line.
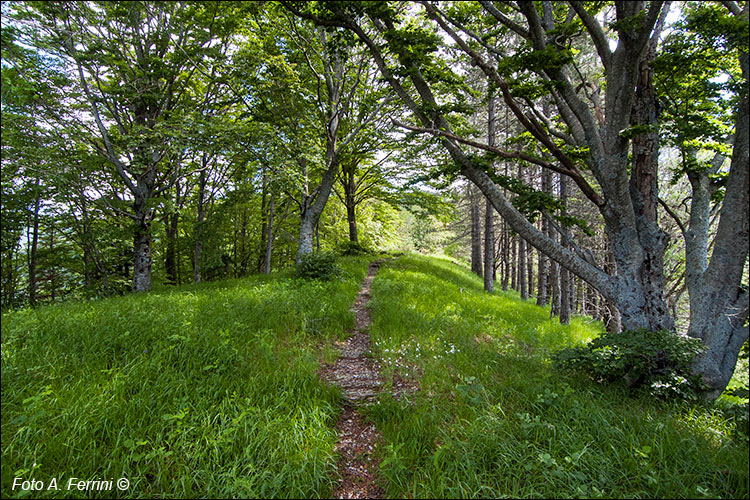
pixel 311 212
pixel 718 301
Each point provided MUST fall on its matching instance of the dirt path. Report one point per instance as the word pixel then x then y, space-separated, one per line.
pixel 359 379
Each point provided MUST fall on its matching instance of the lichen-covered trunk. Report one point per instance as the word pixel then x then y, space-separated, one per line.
pixel 718 300
pixel 312 211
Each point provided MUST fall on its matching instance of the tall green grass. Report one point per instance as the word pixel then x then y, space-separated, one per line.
pixel 494 419
pixel 201 391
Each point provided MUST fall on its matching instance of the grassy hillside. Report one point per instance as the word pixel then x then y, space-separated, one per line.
pixel 204 391
pixel 493 419
pixel 212 391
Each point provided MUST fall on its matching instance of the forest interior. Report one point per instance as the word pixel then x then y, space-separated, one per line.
pixel 378 249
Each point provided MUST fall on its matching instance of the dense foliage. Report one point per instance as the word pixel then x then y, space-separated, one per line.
pixel 659 361
pixel 319 266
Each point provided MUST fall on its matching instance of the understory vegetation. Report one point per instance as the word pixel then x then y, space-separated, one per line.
pixel 493 418
pixel 206 390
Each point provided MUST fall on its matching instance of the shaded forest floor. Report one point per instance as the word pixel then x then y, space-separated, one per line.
pixel 215 391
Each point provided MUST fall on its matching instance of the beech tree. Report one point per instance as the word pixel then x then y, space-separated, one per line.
pixel 133 62
pixel 608 149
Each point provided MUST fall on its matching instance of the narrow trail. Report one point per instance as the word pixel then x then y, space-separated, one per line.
pixel 359 378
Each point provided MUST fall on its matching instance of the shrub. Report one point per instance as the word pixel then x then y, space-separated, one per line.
pixel 319 266
pixel 353 248
pixel 659 361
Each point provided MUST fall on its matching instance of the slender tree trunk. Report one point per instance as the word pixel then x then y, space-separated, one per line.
pixel 489 212
pixel 269 243
pixel 513 261
pixel 264 219
pixel 244 254
pixel 317 236
pixel 170 264
pixel 51 275
pixel 522 269
pixel 530 269
pixel 489 247
pixel 506 256
pixel 476 232
pixel 198 228
pixel 350 188
pixel 543 273
pixel 34 244
pixel 564 274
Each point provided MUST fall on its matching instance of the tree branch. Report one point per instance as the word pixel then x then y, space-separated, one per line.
pixel 597 33
pixel 587 189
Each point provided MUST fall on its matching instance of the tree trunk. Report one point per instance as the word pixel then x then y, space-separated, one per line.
pixel 506 255
pixel 350 188
pixel 489 247
pixel 34 244
pixel 263 219
pixel 543 278
pixel 522 269
pixel 564 274
pixel 312 211
pixel 198 228
pixel 269 243
pixel 513 262
pixel 476 232
pixel 142 242
pixel 718 301
pixel 530 269
pixel 244 254
pixel 489 212
pixel 171 257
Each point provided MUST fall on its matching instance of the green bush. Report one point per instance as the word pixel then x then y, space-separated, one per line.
pixel 659 361
pixel 353 248
pixel 319 266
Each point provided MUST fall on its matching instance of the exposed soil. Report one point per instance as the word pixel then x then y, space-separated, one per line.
pixel 358 376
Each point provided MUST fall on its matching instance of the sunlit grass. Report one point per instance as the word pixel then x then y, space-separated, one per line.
pixel 494 419
pixel 200 391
